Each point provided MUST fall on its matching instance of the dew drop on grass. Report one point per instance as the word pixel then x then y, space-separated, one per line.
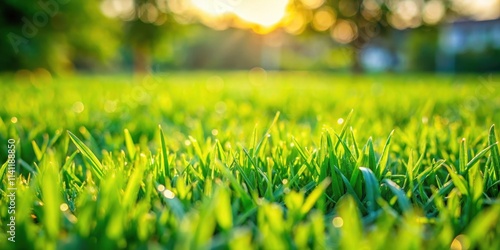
pixel 215 132
pixel 340 121
pixel 73 219
pixel 64 207
pixel 425 120
pixel 160 188
pixel 78 107
pixel 187 143
pixel 13 119
pixel 338 222
pixel 168 194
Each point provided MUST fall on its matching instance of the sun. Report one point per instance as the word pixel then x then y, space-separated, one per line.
pixel 264 13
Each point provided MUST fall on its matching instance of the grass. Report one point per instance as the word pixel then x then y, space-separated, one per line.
pixel 261 161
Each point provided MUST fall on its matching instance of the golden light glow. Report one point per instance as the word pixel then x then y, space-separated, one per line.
pixel 406 14
pixel 407 10
pixel 460 242
pixel 64 207
pixel 212 7
pixel 116 8
pixel 479 9
pixel 148 13
pixel 263 16
pixel 371 10
pixel 345 31
pixel 313 4
pixel 259 12
pixel 338 222
pixel 295 23
pixel 262 12
pixel 323 19
pixel 433 12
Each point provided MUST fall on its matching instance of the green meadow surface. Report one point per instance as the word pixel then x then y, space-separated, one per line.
pixel 259 160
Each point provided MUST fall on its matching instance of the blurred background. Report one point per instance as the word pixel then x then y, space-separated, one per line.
pixel 47 37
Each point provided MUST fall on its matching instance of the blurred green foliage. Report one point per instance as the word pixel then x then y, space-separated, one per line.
pixel 55 34
pixel 142 35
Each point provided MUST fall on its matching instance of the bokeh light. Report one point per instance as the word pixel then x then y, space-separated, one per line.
pixel 323 19
pixel 345 31
pixel 433 12
pixel 313 4
pixel 263 13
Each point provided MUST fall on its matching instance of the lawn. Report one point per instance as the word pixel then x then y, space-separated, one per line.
pixel 259 160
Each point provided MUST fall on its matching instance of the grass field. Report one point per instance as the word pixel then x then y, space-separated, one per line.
pixel 251 161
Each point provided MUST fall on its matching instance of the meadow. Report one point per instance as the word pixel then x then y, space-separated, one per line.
pixel 251 160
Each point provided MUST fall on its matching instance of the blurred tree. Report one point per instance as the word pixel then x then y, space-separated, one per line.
pixel 422 48
pixel 356 22
pixel 55 34
pixel 147 24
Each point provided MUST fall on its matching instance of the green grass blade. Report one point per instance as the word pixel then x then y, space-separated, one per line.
pixel 314 196
pixel 3 170
pixel 36 149
pixel 165 170
pixel 484 224
pixel 403 201
pixel 382 162
pixel 223 212
pixel 355 144
pixel 346 148
pixel 350 220
pixel 495 152
pixel 479 155
pixel 372 161
pixel 49 183
pixel 372 188
pixel 350 190
pixel 463 157
pixel 337 186
pixel 134 183
pixel 129 144
pixel 344 128
pixel 97 167
pixel 458 181
pixel 265 136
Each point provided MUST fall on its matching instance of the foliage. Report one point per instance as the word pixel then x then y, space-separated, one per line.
pixel 58 35
pixel 147 30
pixel 262 161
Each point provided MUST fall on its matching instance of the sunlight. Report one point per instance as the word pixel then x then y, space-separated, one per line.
pixel 479 9
pixel 260 12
